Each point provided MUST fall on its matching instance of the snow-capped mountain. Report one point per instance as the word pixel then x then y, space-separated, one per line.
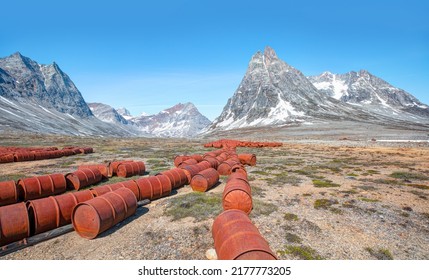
pixel 273 93
pixel 43 99
pixel 106 113
pixel 364 89
pixel 181 120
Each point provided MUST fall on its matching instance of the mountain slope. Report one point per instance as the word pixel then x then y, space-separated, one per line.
pixel 274 93
pixel 364 89
pixel 106 113
pixel 181 120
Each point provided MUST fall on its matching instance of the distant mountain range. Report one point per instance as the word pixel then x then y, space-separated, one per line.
pixel 43 99
pixel 274 93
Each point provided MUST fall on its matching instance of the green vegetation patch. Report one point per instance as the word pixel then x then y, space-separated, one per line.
pixel 197 205
pixel 408 176
pixel 368 199
pixel 290 217
pixel 301 252
pixel 293 238
pixel 14 177
pixel 324 183
pixel 324 203
pixel 262 208
pixel 380 254
pixel 283 178
pixel 419 186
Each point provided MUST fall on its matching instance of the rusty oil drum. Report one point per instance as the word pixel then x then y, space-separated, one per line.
pixel 237 194
pixel 41 186
pixel 205 180
pixel 83 177
pixel 8 193
pixel 14 223
pixel 55 211
pixel 236 238
pixel 97 215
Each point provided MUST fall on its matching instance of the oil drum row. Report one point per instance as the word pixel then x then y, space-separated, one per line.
pixel 235 237
pixel 227 143
pixel 15 154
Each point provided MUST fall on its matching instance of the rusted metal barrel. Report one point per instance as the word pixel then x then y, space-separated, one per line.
pixel 205 180
pixel 238 168
pixel 237 194
pixel 236 238
pixel 130 169
pixel 225 167
pixel 249 159
pixel 214 162
pixel 130 184
pixel 6 158
pixel 41 186
pixel 177 177
pixel 179 159
pixel 83 177
pixel 8 193
pixel 187 162
pixel 55 211
pixel 97 215
pixel 152 188
pixel 113 166
pixel 23 156
pixel 86 150
pixel 14 223
pixel 103 168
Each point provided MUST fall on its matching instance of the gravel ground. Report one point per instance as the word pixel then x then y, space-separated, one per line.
pixel 371 203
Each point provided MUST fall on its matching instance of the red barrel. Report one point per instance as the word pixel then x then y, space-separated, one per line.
pixel 97 191
pixel 83 178
pixel 151 188
pixel 97 215
pixel 214 162
pixel 113 166
pixel 238 168
pixel 165 183
pixel 177 177
pixel 249 159
pixel 204 180
pixel 225 167
pixel 187 162
pixel 6 158
pixel 103 168
pixel 237 194
pixel 41 186
pixel 8 193
pixel 197 157
pixel 130 184
pixel 236 238
pixel 23 156
pixel 55 211
pixel 130 169
pixel 14 223
pixel 179 159
pixel 86 150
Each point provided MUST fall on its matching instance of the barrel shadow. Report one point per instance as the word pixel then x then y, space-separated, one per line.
pixel 140 212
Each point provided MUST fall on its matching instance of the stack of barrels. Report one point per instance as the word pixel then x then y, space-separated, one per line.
pixel 227 143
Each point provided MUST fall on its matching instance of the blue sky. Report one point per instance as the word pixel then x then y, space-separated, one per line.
pixel 150 55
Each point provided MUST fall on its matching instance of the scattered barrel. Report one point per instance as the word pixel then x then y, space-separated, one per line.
pixel 214 162
pixel 237 194
pixel 151 188
pixel 14 223
pixel 97 215
pixel 130 184
pixel 187 162
pixel 205 180
pixel 8 193
pixel 179 159
pixel 177 177
pixel 6 158
pixel 238 168
pixel 247 159
pixel 113 166
pixel 225 167
pixel 55 211
pixel 129 169
pixel 103 168
pixel 86 150
pixel 83 177
pixel 197 157
pixel 41 186
pixel 100 190
pixel 23 156
pixel 236 238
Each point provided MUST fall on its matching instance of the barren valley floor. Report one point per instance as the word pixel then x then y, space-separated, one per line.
pixel 312 200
